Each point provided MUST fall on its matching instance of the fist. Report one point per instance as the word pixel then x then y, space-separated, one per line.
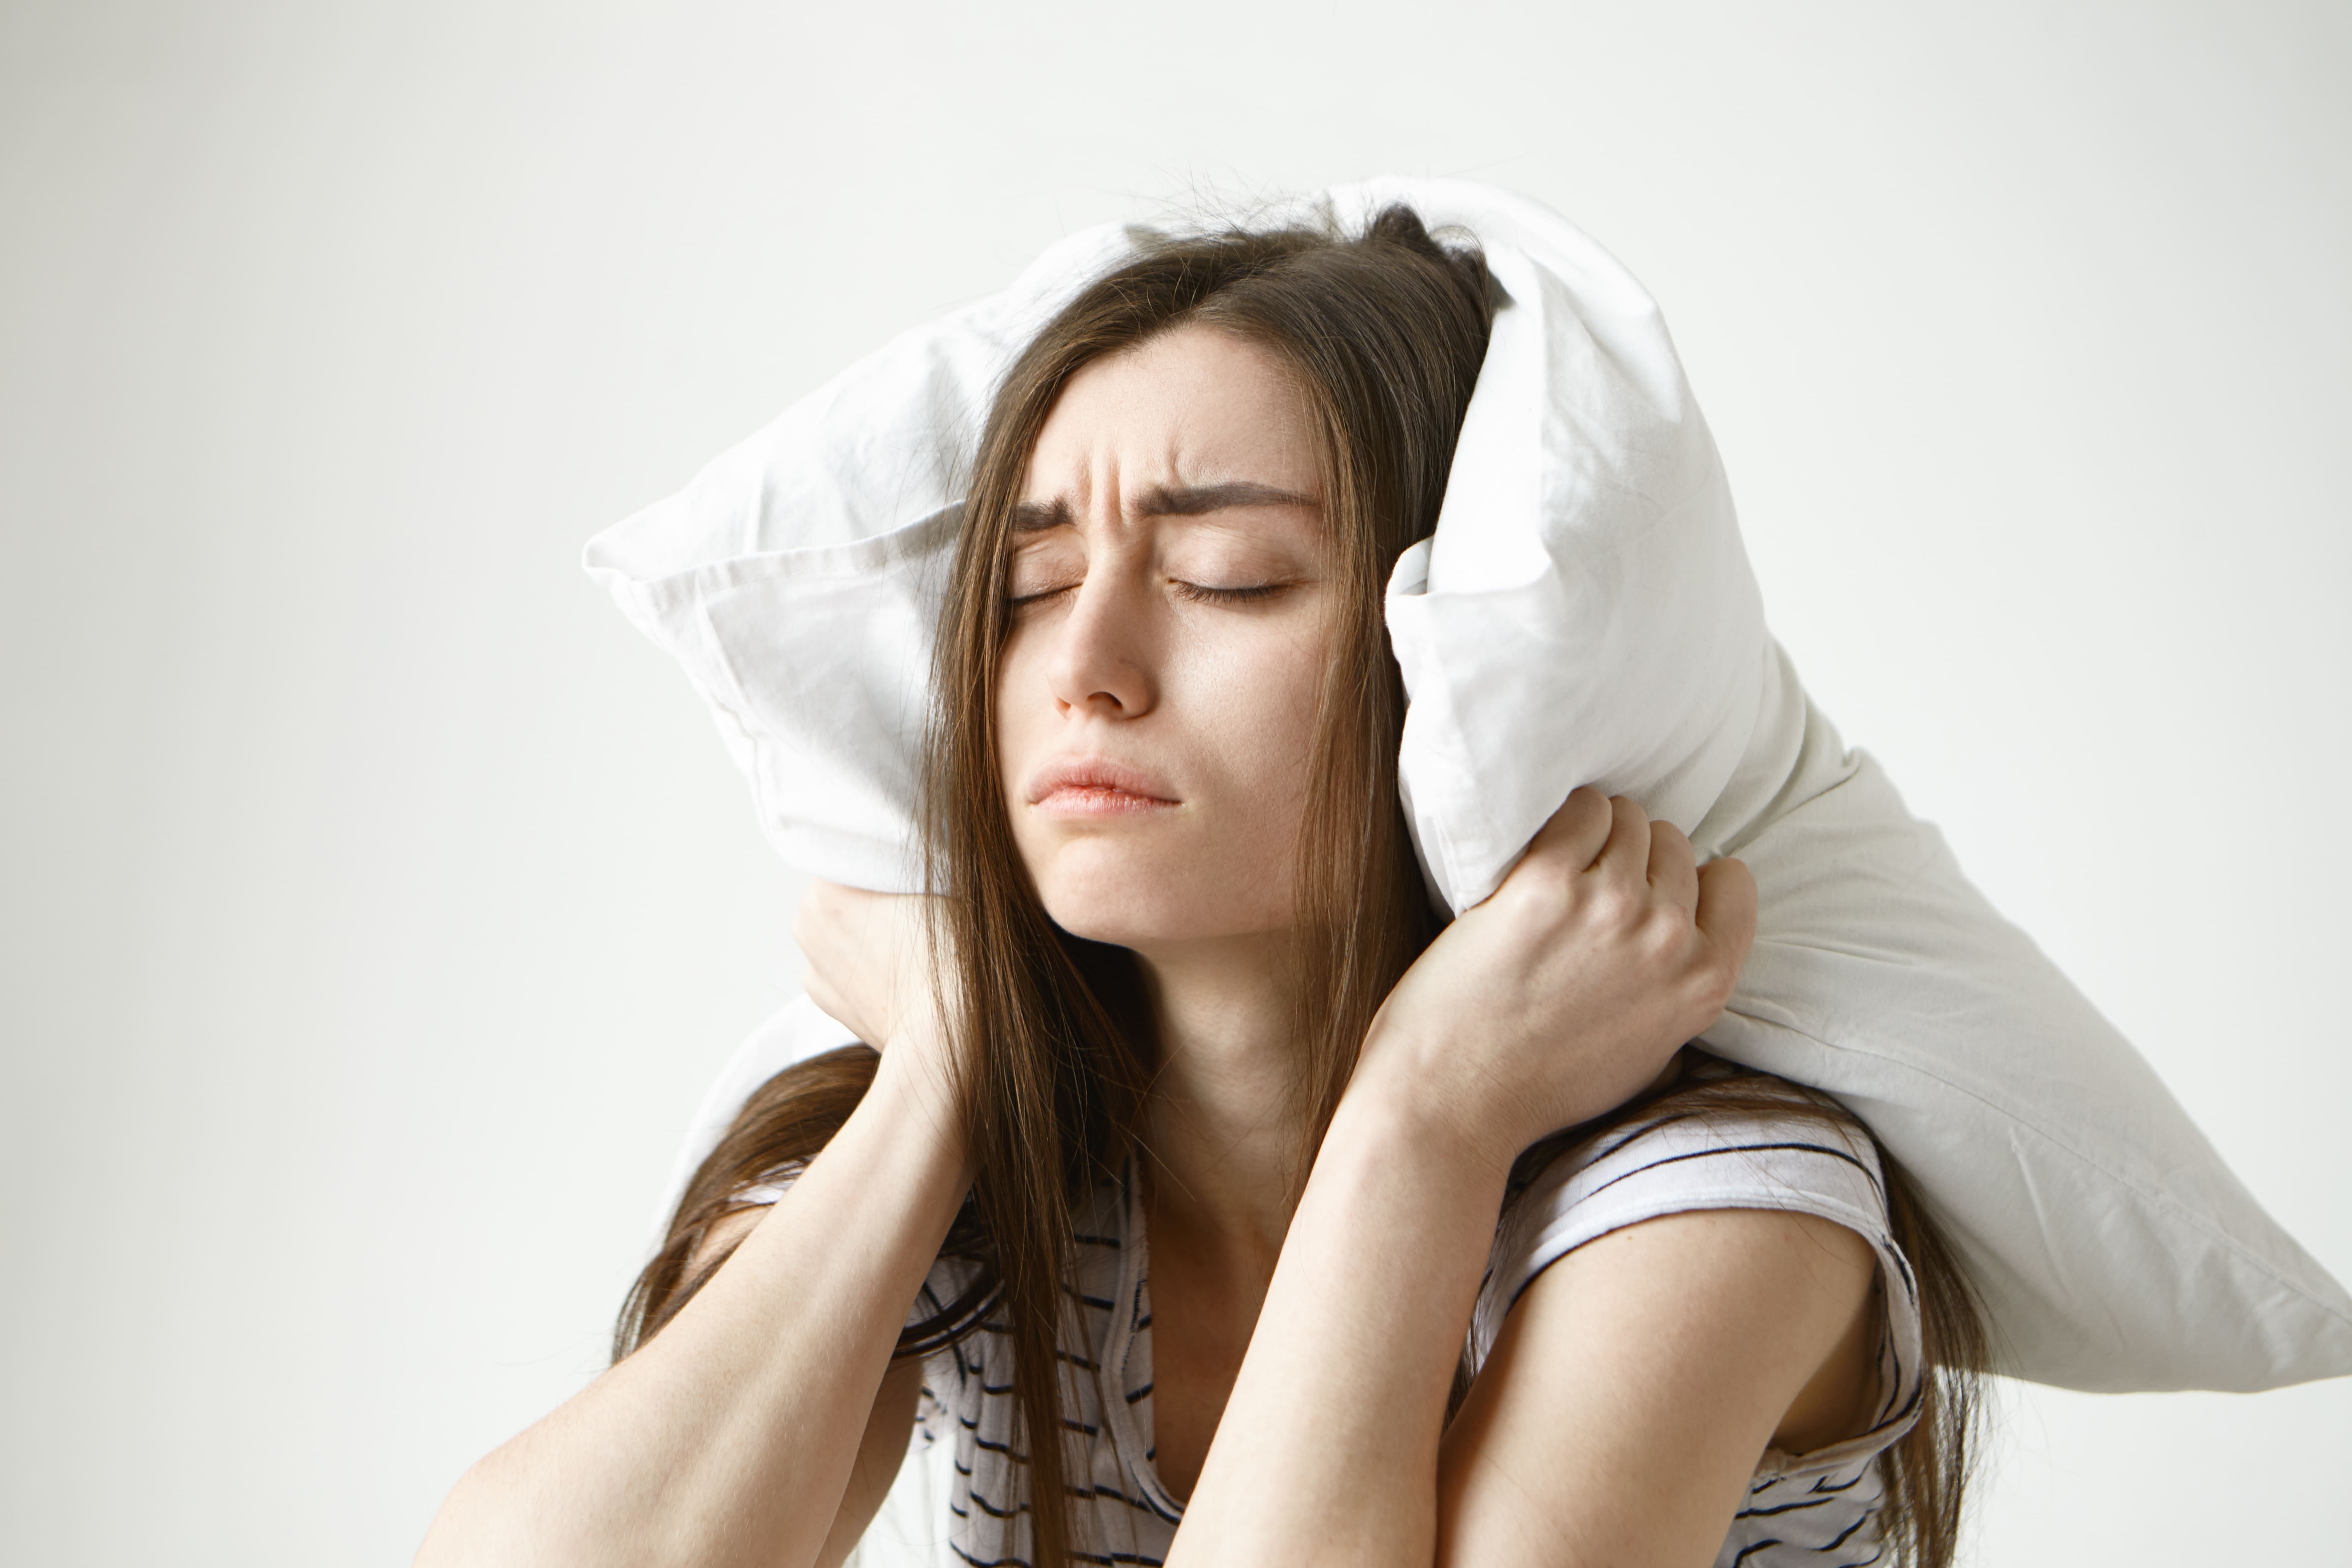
pixel 1569 988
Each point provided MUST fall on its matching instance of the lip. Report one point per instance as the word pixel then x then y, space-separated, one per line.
pixel 1095 786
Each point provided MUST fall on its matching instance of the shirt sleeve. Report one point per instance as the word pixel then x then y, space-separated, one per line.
pixel 1804 1159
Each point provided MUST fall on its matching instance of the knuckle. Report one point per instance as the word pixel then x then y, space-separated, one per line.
pixel 1585 812
pixel 1732 873
pixel 1615 904
pixel 1546 884
pixel 1716 977
pixel 1663 939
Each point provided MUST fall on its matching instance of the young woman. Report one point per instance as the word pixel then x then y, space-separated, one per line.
pixel 1209 1200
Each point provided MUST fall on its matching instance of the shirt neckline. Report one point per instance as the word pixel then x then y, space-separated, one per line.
pixel 1127 1415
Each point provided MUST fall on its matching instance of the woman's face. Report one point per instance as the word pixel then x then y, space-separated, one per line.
pixel 1172 594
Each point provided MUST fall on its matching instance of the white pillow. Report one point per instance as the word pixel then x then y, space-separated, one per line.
pixel 1584 614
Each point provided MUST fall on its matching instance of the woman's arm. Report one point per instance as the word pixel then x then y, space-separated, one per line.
pixel 1617 1422
pixel 1638 1380
pixel 731 1437
pixel 883 1449
pixel 1328 1449
pixel 1553 1001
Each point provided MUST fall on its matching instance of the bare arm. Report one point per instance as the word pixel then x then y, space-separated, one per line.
pixel 1618 1421
pixel 883 1449
pixel 731 1437
pixel 1327 1452
pixel 879 1454
pixel 1553 1001
pixel 1637 1381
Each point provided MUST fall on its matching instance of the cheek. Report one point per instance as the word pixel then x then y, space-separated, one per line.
pixel 1253 726
pixel 1024 714
pixel 1252 702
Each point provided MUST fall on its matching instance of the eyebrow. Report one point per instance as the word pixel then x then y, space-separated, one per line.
pixel 1192 501
pixel 1037 516
pixel 1164 501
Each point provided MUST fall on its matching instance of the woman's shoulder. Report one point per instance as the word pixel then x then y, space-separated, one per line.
pixel 1720 1137
pixel 1716 1128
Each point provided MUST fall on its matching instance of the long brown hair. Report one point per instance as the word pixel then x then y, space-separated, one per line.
pixel 1383 333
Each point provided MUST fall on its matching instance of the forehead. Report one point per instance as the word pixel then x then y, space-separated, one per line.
pixel 1196 405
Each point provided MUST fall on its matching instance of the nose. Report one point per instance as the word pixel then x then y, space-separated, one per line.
pixel 1102 658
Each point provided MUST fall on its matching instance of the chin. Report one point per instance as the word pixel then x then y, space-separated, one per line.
pixel 1111 898
pixel 1124 917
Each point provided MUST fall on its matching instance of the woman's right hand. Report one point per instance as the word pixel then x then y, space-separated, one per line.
pixel 871 960
pixel 1570 989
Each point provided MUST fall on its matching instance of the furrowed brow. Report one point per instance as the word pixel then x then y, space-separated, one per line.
pixel 1192 501
pixel 1037 516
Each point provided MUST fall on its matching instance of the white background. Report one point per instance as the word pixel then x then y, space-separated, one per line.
pixel 376 905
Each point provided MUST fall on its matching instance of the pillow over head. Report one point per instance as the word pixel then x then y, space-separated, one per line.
pixel 1584 614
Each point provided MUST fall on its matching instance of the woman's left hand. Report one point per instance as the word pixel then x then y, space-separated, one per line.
pixel 1557 998
pixel 1571 986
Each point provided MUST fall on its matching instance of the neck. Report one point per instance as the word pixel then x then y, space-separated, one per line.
pixel 1222 1126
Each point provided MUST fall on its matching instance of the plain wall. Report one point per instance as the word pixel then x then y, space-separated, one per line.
pixel 373 905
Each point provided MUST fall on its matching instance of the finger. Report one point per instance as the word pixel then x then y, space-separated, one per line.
pixel 1625 858
pixel 810 917
pixel 1576 831
pixel 828 1001
pixel 1727 909
pixel 825 902
pixel 1673 871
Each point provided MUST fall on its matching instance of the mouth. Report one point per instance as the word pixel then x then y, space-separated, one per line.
pixel 1097 788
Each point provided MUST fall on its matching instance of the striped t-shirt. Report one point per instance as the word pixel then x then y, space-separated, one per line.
pixel 962 1499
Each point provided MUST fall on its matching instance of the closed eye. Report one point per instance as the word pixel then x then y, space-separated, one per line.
pixel 1201 594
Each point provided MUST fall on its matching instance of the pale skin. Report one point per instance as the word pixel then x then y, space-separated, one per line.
pixel 1172 591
